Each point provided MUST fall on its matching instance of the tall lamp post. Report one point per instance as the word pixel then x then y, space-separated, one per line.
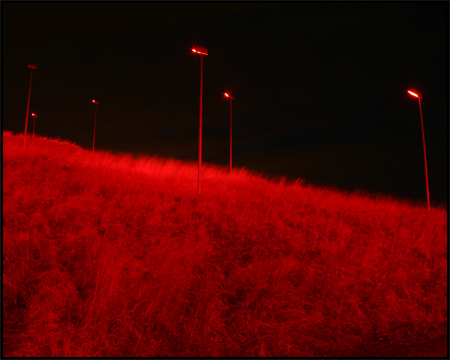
pixel 95 122
pixel 34 116
pixel 32 67
pixel 200 51
pixel 418 95
pixel 231 128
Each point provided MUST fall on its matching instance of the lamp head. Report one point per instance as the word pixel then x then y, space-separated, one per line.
pixel 32 66
pixel 228 96
pixel 95 102
pixel 200 50
pixel 415 93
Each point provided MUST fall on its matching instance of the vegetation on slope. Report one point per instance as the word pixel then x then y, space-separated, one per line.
pixel 108 255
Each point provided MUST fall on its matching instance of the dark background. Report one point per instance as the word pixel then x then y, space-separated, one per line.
pixel 320 88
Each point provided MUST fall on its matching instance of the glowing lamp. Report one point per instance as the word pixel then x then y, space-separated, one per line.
pixel 95 123
pixel 31 66
pixel 231 128
pixel 34 116
pixel 200 50
pixel 418 95
pixel 415 93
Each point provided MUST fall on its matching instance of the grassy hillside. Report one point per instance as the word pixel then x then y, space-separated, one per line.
pixel 109 255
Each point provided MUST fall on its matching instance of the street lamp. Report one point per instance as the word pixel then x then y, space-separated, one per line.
pixel 95 122
pixel 231 127
pixel 32 67
pixel 200 51
pixel 418 95
pixel 34 121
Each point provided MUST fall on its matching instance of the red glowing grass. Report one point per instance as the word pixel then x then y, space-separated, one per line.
pixel 111 256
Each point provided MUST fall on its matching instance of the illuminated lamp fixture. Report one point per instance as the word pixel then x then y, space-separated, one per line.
pixel 418 95
pixel 34 116
pixel 200 51
pixel 31 66
pixel 415 93
pixel 95 122
pixel 231 127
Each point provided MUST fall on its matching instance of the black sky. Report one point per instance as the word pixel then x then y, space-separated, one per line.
pixel 319 87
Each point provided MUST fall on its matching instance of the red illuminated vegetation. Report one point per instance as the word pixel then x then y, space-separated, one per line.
pixel 108 255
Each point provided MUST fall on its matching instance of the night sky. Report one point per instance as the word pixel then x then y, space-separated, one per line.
pixel 319 87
